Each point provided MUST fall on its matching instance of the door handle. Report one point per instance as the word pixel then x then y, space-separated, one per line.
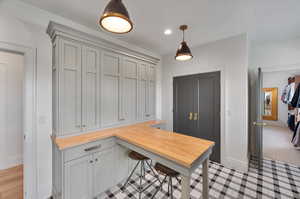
pixel 259 124
pixel 92 148
pixel 190 116
pixel 195 116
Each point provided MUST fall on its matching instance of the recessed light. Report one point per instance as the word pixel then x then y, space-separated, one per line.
pixel 168 32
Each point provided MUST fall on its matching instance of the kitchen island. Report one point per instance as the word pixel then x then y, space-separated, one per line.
pixel 177 151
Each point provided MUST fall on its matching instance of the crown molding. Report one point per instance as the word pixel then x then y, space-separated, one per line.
pixel 55 29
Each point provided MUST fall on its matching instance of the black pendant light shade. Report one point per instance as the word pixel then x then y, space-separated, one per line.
pixel 115 18
pixel 183 53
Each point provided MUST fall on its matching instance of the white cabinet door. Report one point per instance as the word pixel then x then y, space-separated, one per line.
pixel 111 103
pixel 121 163
pixel 70 88
pixel 151 102
pixel 78 178
pixel 90 89
pixel 129 90
pixel 142 92
pixel 103 171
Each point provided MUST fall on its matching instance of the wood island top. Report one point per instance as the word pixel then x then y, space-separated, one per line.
pixel 177 147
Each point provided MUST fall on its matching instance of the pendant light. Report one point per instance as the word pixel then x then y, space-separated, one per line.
pixel 183 53
pixel 115 18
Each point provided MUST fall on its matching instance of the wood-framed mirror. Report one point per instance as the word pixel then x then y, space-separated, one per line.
pixel 270 111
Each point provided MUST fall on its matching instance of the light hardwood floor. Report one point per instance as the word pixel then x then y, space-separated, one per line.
pixel 11 183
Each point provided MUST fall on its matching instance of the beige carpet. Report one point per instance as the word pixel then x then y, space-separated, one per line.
pixel 277 145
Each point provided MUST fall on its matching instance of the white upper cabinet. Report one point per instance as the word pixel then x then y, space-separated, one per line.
pixel 129 90
pixel 142 92
pixel 147 92
pixel 97 87
pixel 152 92
pixel 111 84
pixel 90 88
pixel 70 88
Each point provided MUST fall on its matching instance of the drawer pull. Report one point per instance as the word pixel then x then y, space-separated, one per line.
pixel 92 148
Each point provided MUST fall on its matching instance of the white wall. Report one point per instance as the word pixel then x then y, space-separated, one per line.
pixel 229 56
pixel 22 24
pixel 279 79
pixel 11 104
pixel 274 54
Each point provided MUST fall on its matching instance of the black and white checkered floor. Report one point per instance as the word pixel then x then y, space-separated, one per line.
pixel 275 180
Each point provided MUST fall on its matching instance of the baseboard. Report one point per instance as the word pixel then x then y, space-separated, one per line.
pixel 236 164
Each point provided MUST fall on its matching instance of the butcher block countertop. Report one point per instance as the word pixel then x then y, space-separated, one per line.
pixel 180 148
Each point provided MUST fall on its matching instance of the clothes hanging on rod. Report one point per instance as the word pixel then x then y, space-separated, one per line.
pixel 295 99
pixel 288 93
pixel 291 122
pixel 296 136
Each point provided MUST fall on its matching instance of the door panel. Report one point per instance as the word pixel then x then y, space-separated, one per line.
pixel 103 171
pixel 208 108
pixel 129 90
pixel 198 95
pixel 184 95
pixel 90 86
pixel 258 125
pixel 78 175
pixel 111 98
pixel 71 88
pixel 142 91
pixel 142 100
pixel 151 100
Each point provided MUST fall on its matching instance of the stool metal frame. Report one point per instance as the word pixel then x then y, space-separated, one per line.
pixel 140 188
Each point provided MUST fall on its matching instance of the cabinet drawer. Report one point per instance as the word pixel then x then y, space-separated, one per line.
pixel 87 149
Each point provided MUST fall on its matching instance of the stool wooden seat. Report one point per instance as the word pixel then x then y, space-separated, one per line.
pixel 136 156
pixel 169 174
pixel 162 169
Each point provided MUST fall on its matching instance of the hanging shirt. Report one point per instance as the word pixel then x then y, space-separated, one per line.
pixel 295 98
pixel 291 92
pixel 285 92
pixel 296 137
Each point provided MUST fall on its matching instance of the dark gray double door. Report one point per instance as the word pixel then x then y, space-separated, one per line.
pixel 197 107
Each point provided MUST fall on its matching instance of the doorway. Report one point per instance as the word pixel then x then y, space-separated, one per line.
pixel 281 119
pixel 278 118
pixel 11 124
pixel 196 112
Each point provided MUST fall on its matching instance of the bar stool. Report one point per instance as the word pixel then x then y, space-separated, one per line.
pixel 168 173
pixel 143 162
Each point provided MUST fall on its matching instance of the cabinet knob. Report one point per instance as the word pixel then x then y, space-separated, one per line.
pixel 91 161
pixel 96 160
pixel 83 125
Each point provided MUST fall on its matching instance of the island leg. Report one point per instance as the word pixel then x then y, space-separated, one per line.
pixel 205 182
pixel 185 184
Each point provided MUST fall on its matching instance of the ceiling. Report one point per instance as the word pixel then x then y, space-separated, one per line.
pixel 208 20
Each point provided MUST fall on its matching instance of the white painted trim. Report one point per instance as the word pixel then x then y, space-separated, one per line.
pixel 29 117
pixel 222 108
pixel 236 164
